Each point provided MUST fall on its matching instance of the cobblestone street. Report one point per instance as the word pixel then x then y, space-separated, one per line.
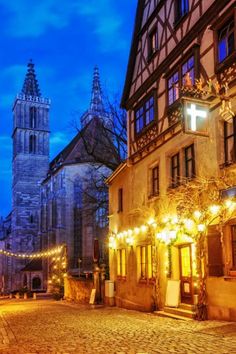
pixel 45 326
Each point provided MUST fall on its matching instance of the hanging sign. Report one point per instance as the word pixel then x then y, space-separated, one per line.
pixel 196 114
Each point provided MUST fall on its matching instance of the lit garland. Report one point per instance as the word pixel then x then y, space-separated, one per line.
pixel 169 227
pixel 42 254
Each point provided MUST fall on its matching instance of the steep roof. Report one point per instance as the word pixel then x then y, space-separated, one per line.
pixel 33 266
pixel 31 86
pixel 132 55
pixel 77 150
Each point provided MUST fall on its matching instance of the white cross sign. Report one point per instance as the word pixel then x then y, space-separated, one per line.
pixel 194 113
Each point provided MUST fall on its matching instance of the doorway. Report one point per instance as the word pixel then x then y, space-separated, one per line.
pixel 186 277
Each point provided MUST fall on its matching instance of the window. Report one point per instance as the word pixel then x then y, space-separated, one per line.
pixel 173 89
pixel 182 8
pixel 226 40
pixel 215 263
pixel 189 161
pixel 32 144
pixel 230 141
pixel 144 115
pixel 152 42
pixel 101 217
pixel 155 181
pixel 121 262
pixel 31 219
pixel 175 171
pixel 33 112
pixel 177 79
pixel 233 233
pixel 145 262
pixel 120 200
pixel 188 67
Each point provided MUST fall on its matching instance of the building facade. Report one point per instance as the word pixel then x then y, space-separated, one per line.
pixel 172 206
pixel 74 197
pixel 29 167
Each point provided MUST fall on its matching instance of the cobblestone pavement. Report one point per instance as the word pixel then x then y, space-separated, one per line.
pixel 45 326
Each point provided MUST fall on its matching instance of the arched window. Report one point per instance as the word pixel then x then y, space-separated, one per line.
pixel 36 283
pixel 32 144
pixel 32 117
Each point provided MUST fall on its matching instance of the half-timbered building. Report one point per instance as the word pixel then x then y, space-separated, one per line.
pixel 172 207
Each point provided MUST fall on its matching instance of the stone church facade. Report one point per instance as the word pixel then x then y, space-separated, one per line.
pixel 72 212
pixel 53 203
pixel 29 167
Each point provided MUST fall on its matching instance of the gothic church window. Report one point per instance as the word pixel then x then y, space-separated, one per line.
pixel 226 40
pixel 32 117
pixel 32 144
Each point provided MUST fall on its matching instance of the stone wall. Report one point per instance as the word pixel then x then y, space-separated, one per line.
pixel 78 290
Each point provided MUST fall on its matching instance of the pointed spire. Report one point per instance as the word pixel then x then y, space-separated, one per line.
pixel 96 104
pixel 31 86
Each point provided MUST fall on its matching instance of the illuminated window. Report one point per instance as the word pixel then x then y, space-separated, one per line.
pixel 182 7
pixel 230 141
pixel 189 161
pixel 145 262
pixel 175 171
pixel 177 79
pixel 226 40
pixel 188 67
pixel 144 115
pixel 173 88
pixel 121 262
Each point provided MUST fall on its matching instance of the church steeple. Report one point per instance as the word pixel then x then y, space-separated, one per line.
pixel 96 104
pixel 96 108
pixel 31 86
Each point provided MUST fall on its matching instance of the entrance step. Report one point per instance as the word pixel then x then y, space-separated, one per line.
pixel 170 315
pixel 180 311
pixel 187 307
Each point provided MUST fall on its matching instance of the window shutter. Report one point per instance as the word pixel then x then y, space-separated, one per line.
pixel 215 262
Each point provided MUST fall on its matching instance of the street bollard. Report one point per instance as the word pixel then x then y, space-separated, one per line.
pixel 10 296
pixel 34 296
pixel 25 296
pixel 17 296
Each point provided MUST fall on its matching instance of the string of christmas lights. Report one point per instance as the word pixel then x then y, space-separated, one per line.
pixel 41 254
pixel 167 229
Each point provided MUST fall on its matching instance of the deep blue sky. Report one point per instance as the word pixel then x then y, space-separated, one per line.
pixel 65 39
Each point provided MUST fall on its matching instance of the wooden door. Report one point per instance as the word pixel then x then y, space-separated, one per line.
pixel 186 274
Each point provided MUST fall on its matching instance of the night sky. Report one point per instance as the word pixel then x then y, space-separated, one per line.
pixel 65 39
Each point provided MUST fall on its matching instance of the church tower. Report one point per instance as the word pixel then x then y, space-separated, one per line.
pixel 96 108
pixel 30 162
